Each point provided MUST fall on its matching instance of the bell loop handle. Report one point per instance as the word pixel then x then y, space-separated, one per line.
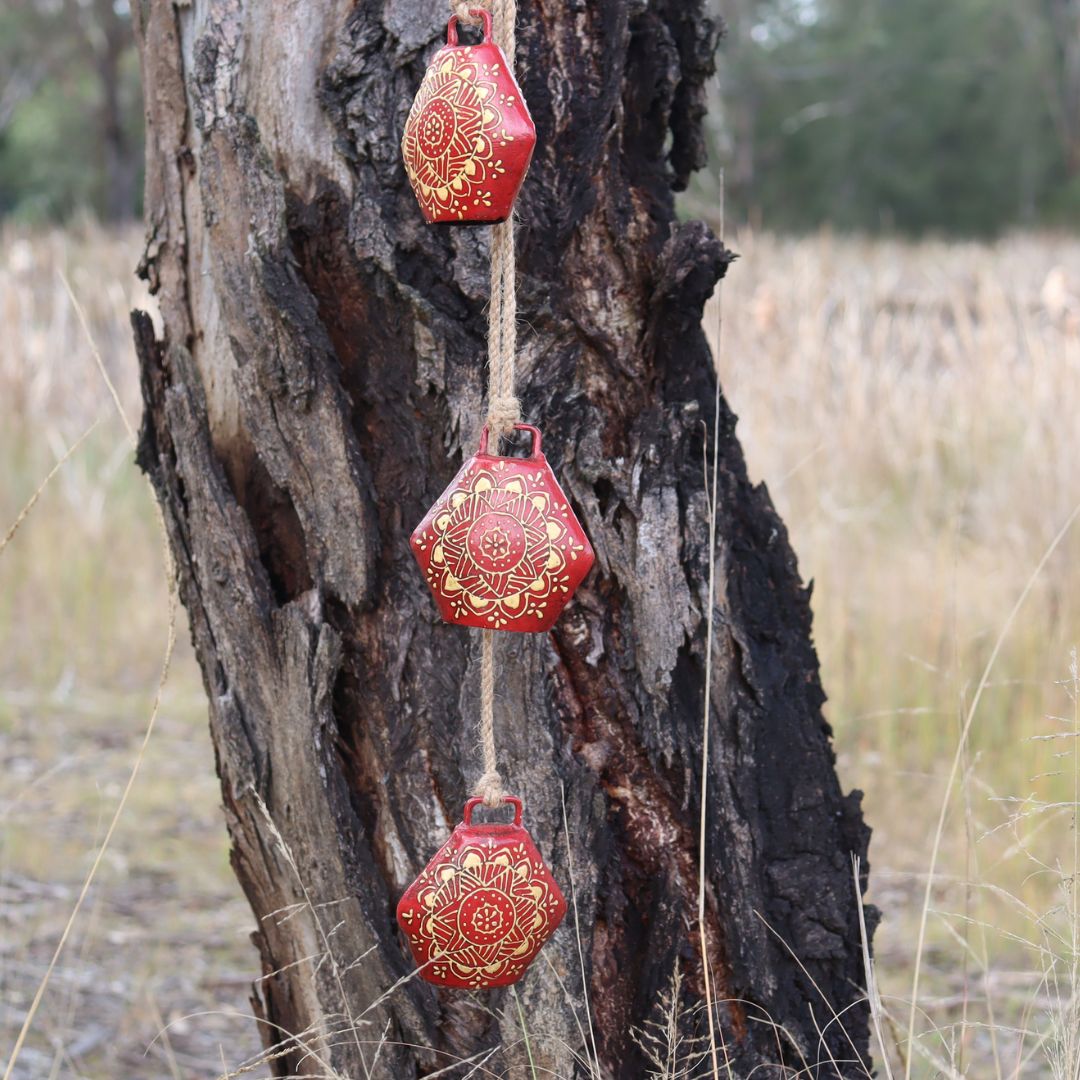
pixel 477 13
pixel 508 800
pixel 534 455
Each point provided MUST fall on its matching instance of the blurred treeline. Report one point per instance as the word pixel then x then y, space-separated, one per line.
pixel 70 110
pixel 956 116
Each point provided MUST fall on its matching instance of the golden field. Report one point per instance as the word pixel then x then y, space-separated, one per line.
pixel 914 411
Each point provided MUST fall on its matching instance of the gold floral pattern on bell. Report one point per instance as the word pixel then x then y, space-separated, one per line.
pixel 502 548
pixel 483 907
pixel 469 138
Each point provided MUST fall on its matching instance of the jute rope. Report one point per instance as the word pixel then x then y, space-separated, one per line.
pixel 504 408
pixel 490 786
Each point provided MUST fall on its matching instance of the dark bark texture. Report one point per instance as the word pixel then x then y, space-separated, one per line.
pixel 318 379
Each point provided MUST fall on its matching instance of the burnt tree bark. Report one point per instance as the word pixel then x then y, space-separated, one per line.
pixel 318 379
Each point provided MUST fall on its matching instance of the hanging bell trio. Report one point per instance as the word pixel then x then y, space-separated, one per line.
pixel 501 548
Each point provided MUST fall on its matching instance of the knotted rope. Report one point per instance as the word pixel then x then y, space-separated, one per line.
pixel 504 408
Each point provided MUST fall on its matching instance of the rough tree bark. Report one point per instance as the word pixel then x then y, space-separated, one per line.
pixel 318 378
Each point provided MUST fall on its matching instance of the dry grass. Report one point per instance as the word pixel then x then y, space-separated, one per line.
pixel 914 410
pixel 83 629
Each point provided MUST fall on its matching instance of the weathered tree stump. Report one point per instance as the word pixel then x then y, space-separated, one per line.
pixel 318 379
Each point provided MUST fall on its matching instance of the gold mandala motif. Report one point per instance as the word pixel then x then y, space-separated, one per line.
pixel 500 546
pixel 453 133
pixel 484 913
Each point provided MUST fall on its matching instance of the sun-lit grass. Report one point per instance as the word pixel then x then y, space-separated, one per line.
pixel 914 411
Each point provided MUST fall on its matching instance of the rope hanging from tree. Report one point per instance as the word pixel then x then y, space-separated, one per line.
pixel 504 408
pixel 501 549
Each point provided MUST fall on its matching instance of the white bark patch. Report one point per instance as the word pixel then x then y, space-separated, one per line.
pixel 658 589
pixel 288 54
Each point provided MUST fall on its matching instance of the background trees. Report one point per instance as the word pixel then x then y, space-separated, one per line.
pixel 873 115
pixel 867 114
pixel 70 116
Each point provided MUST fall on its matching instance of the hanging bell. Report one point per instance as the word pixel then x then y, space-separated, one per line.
pixel 501 548
pixel 469 137
pixel 483 907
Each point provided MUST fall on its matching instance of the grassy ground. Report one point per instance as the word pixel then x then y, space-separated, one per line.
pixel 914 412
pixel 83 629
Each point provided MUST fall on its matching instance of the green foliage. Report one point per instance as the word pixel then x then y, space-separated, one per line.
pixel 70 110
pixel 955 116
pixel 925 115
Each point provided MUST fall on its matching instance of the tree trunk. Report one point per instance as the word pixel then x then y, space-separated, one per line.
pixel 319 378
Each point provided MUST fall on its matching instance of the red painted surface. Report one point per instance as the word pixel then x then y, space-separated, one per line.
pixel 501 548
pixel 469 137
pixel 483 907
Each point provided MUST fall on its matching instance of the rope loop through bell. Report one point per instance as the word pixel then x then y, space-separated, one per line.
pixel 490 788
pixel 464 9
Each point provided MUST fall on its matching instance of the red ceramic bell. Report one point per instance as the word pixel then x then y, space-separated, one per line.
pixel 483 907
pixel 469 137
pixel 501 549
